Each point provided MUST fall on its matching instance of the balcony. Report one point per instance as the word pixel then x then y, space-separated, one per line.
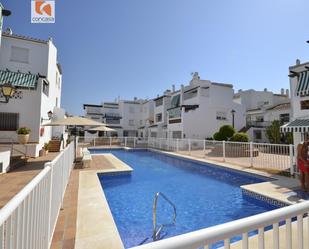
pixel 259 124
pixel 174 112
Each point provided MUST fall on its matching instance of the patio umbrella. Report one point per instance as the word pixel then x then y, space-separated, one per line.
pixel 101 128
pixel 74 121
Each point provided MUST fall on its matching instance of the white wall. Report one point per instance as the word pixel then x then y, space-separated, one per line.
pixel 5 160
pixel 34 104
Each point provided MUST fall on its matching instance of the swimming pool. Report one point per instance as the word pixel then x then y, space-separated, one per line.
pixel 204 195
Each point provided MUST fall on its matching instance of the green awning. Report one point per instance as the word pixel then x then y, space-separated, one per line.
pixel 302 88
pixel 17 79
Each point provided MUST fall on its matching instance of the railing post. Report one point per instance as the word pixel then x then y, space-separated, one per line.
pixel 189 145
pixel 177 144
pixel 160 143
pixel 110 142
pixel 50 194
pixel 291 160
pixel 223 150
pixel 134 142
pixel 94 142
pixel 125 142
pixel 251 154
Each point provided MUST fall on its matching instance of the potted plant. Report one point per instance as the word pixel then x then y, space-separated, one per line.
pixel 46 146
pixel 23 135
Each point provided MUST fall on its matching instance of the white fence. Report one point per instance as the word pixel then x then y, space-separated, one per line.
pixel 258 155
pixel 29 219
pixel 283 238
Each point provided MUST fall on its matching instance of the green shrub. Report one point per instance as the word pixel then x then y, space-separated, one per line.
pixel 218 136
pixel 240 137
pixel 227 131
pixel 46 146
pixel 23 131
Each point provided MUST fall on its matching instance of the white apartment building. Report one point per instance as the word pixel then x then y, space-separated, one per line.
pixel 159 126
pixel 147 118
pixel 195 111
pixel 199 109
pixel 30 65
pixel 262 108
pixel 299 87
pixel 124 116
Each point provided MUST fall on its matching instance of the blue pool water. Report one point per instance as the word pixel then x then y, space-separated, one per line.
pixel 205 195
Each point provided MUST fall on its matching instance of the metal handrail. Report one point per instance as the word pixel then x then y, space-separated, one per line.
pixel 11 146
pixel 156 232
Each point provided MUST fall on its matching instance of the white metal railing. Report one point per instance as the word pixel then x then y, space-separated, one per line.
pixel 258 155
pixel 28 220
pixel 225 232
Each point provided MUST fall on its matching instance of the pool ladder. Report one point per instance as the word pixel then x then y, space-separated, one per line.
pixel 156 229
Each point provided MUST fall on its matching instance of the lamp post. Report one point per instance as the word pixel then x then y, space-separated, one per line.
pixel 233 117
pixel 49 114
pixel 7 90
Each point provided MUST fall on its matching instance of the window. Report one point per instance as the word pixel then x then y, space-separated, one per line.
pixel 221 116
pixel 131 122
pixel 304 105
pixel 159 101
pixel 19 54
pixel 284 117
pixel 159 117
pixel 257 134
pixel 9 121
pixel 153 134
pixel 175 102
pixel 176 134
pixel 45 87
pixel 259 119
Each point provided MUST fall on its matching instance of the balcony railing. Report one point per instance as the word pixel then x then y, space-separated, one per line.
pixel 174 112
pixel 260 124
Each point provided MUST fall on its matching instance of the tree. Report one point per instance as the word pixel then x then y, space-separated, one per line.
pixel 273 132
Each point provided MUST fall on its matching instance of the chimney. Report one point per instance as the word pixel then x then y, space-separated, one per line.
pixel 173 88
pixel 135 98
pixel 297 61
pixel 265 89
pixel 240 90
pixel 287 92
pixel 282 91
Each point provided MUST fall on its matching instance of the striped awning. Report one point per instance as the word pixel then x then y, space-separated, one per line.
pixel 298 125
pixel 18 79
pixel 303 84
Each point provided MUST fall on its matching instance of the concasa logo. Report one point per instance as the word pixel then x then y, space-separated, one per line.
pixel 42 11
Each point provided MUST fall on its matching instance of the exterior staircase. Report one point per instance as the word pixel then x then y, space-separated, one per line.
pixel 244 129
pixel 54 145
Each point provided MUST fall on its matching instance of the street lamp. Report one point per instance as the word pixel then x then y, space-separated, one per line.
pixel 6 12
pixel 49 115
pixel 233 117
pixel 8 91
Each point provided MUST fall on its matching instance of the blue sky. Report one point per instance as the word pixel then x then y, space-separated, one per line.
pixel 141 47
